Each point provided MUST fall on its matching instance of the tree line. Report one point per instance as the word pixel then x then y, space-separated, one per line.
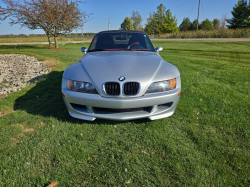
pixel 62 16
pixel 53 16
pixel 162 21
pixel 159 22
pixel 204 25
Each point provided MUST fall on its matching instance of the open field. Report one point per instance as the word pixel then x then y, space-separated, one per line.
pixel 40 39
pixel 201 34
pixel 155 40
pixel 205 142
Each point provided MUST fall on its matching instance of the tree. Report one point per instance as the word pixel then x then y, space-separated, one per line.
pixel 194 25
pixel 136 19
pixel 240 15
pixel 67 16
pixel 127 24
pixel 140 28
pixel 159 15
pixel 185 25
pixel 162 21
pixel 223 22
pixel 2 13
pixel 170 23
pixel 216 23
pixel 150 25
pixel 53 16
pixel 207 25
pixel 247 20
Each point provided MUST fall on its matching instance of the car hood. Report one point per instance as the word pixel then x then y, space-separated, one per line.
pixel 136 66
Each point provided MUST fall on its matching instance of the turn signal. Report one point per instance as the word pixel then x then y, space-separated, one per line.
pixel 70 84
pixel 172 84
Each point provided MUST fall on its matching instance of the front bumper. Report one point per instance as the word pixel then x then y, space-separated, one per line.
pixel 158 105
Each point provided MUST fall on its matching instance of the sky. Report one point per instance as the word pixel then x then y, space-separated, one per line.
pixel 117 10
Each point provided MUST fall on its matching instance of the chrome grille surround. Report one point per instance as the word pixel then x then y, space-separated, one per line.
pixel 117 89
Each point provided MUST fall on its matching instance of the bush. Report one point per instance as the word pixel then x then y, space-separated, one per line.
pixel 219 33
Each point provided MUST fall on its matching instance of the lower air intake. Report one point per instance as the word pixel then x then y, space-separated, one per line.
pixel 124 110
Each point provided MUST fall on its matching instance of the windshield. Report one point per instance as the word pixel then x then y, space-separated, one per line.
pixel 121 41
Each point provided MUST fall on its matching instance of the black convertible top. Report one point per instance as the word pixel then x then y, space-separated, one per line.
pixel 114 31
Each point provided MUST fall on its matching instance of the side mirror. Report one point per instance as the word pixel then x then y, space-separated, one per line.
pixel 84 50
pixel 158 49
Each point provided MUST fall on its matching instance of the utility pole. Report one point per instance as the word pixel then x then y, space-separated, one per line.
pixel 198 15
pixel 109 23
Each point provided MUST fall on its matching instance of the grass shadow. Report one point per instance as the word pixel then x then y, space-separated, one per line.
pixel 45 99
pixel 19 47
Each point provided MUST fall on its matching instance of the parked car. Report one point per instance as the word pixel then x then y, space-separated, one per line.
pixel 121 76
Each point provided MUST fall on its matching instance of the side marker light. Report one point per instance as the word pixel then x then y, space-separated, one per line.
pixel 179 93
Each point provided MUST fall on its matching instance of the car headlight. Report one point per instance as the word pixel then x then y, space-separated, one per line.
pixel 162 86
pixel 79 86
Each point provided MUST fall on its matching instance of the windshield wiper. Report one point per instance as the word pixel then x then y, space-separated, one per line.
pixel 96 50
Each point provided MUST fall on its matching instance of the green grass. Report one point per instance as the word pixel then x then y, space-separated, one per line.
pixel 205 142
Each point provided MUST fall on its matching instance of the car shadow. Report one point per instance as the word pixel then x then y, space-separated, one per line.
pixel 45 99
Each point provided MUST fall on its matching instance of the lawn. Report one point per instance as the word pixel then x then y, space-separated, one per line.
pixel 205 142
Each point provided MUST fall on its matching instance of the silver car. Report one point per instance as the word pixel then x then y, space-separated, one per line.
pixel 121 77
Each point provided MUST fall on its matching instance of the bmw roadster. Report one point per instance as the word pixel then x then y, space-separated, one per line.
pixel 121 76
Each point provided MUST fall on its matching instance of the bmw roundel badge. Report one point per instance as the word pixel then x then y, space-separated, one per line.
pixel 121 78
